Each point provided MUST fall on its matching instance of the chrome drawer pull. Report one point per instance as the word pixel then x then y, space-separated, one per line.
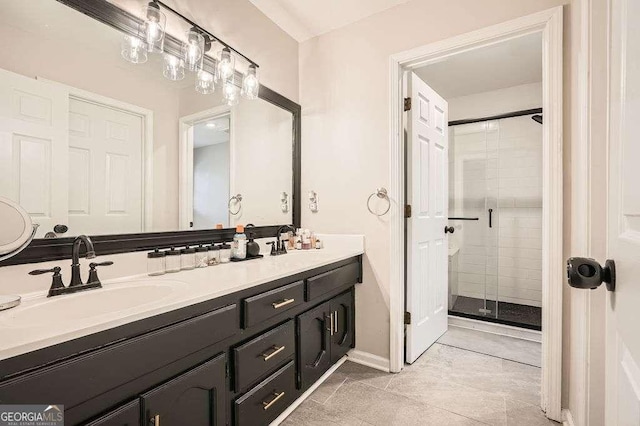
pixel 285 302
pixel 335 322
pixel 267 405
pixel 276 351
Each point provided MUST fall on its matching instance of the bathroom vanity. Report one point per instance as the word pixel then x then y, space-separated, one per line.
pixel 237 345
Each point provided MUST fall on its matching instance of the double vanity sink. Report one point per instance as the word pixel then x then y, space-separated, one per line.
pixel 244 340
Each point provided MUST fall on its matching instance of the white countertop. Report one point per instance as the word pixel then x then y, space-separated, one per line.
pixel 38 322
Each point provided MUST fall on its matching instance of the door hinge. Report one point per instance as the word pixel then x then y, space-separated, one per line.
pixel 407 104
pixel 407 318
pixel 407 211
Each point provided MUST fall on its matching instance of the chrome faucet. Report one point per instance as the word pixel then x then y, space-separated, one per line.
pixel 75 258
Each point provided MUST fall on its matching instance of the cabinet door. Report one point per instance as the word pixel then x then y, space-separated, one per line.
pixel 343 338
pixel 195 398
pixel 125 415
pixel 314 357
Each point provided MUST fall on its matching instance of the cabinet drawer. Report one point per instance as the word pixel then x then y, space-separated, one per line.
pixel 323 283
pixel 259 356
pixel 266 401
pixel 95 373
pixel 266 305
pixel 126 415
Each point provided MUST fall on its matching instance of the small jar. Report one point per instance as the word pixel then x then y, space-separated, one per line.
pixel 225 253
pixel 156 264
pixel 187 258
pixel 202 257
pixel 173 260
pixel 214 255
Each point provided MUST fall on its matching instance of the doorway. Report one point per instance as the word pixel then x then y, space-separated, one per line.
pixel 548 25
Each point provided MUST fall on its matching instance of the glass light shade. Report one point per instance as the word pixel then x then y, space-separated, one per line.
pixel 134 50
pixel 226 65
pixel 193 50
pixel 250 83
pixel 204 83
pixel 173 68
pixel 153 27
pixel 231 93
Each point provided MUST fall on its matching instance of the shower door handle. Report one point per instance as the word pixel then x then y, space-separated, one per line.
pixel 490 218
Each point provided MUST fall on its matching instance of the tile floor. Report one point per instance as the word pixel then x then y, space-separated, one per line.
pixel 445 386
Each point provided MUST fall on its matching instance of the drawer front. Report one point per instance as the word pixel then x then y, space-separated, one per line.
pixel 126 415
pixel 266 305
pixel 134 358
pixel 262 404
pixel 258 357
pixel 323 283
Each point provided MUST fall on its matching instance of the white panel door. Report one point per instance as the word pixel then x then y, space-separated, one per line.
pixel 427 193
pixel 623 325
pixel 33 148
pixel 105 169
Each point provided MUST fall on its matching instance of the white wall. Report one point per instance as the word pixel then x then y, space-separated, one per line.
pixel 344 94
pixel 210 186
pixel 498 165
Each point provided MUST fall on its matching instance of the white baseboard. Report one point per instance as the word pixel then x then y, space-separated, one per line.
pixel 308 392
pixel 368 359
pixel 567 418
pixel 501 329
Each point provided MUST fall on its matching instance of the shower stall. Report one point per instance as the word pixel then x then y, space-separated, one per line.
pixel 495 206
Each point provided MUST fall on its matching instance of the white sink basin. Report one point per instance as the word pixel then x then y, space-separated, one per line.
pixel 89 304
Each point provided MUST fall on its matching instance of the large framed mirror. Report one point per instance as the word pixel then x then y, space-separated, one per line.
pixel 94 144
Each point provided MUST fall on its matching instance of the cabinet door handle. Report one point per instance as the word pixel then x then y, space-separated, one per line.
pixel 156 420
pixel 331 323
pixel 268 405
pixel 335 322
pixel 275 350
pixel 285 302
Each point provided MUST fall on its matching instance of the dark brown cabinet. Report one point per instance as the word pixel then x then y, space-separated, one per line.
pixel 325 334
pixel 195 398
pixel 126 415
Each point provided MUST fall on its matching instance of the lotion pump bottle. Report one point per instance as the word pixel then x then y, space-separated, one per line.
pixel 239 248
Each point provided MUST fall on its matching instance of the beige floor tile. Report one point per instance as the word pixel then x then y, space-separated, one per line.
pixel 328 387
pixel 311 413
pixel 363 374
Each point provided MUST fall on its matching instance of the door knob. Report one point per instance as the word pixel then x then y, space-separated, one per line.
pixel 587 273
pixel 449 230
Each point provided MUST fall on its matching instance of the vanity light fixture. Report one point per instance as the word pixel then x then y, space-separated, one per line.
pixel 153 27
pixel 173 67
pixel 134 49
pixel 204 83
pixel 193 50
pixel 190 54
pixel 250 83
pixel 226 65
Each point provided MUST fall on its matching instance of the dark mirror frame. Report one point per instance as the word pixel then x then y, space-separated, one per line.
pixel 42 250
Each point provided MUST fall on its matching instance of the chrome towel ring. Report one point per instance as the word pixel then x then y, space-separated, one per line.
pixel 236 199
pixel 382 194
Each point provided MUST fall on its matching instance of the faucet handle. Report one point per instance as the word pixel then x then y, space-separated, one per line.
pixel 56 282
pixel 274 250
pixel 93 273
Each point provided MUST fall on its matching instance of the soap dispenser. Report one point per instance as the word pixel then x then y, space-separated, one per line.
pixel 253 248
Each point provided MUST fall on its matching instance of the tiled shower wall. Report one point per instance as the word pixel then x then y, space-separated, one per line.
pixel 498 165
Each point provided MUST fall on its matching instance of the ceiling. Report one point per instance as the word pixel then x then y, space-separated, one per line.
pixel 507 64
pixel 211 132
pixel 305 19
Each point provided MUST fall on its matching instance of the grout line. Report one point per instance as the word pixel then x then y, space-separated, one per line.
pixel 485 354
pixel 334 391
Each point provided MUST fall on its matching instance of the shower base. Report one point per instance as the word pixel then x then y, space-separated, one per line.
pixel 512 314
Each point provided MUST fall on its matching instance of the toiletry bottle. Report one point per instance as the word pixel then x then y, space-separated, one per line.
pixel 173 260
pixel 306 240
pixel 225 253
pixel 156 263
pixel 202 257
pixel 239 247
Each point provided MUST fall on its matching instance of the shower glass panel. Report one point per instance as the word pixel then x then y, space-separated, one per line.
pixel 495 205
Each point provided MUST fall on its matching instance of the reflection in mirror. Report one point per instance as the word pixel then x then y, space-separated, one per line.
pixel 17 229
pixel 93 144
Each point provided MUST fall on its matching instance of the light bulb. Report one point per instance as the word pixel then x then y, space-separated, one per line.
pixel 153 27
pixel 231 93
pixel 173 67
pixel 250 83
pixel 133 50
pixel 193 50
pixel 226 64
pixel 204 83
